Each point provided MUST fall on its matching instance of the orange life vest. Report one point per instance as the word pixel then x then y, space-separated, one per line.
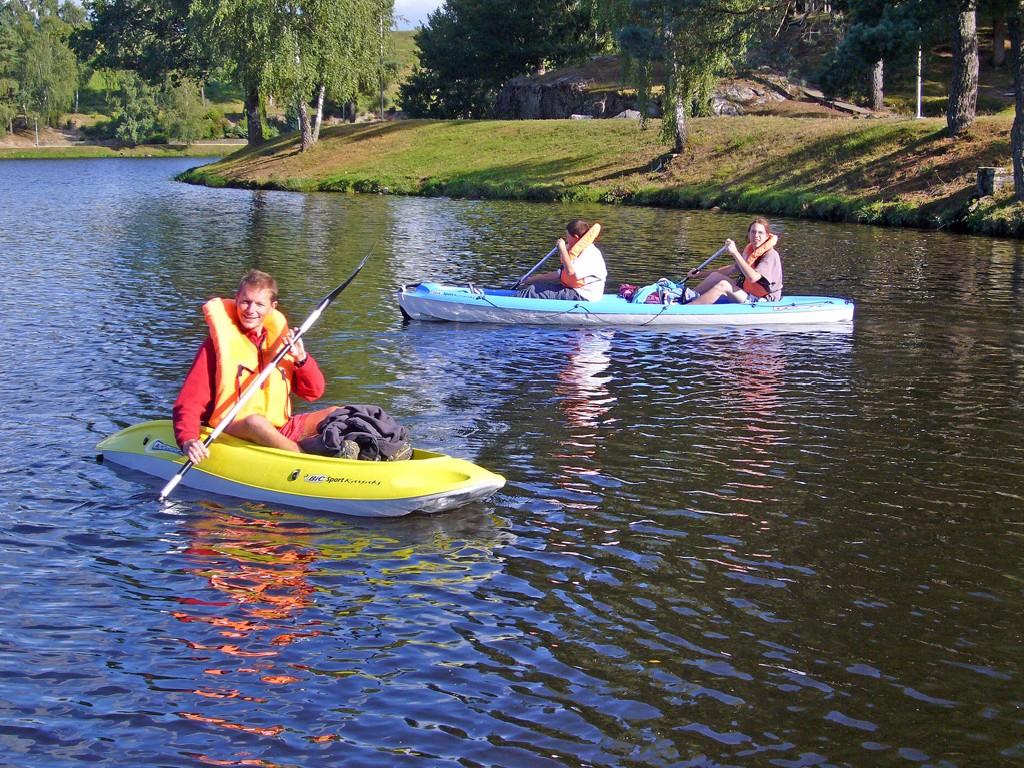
pixel 588 238
pixel 239 361
pixel 752 256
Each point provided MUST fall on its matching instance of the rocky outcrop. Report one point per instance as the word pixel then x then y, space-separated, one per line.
pixel 528 98
pixel 574 95
pixel 737 97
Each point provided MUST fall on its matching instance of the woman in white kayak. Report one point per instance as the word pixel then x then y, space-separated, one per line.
pixel 581 276
pixel 756 275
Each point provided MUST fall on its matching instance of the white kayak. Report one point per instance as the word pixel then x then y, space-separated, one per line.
pixel 469 304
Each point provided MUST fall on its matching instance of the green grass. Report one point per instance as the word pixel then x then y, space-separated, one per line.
pixel 405 55
pixel 888 171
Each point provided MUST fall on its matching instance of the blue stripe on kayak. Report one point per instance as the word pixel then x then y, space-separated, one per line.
pixel 611 303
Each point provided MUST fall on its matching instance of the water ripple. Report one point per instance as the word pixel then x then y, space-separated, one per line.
pixel 716 547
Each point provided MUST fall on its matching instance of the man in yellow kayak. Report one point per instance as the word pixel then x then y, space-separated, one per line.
pixel 582 274
pixel 245 334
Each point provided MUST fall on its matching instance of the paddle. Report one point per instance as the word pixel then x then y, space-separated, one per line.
pixel 551 253
pixel 581 243
pixel 707 261
pixel 264 374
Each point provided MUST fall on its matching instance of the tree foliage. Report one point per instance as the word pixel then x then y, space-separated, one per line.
pixel 893 30
pixel 136 113
pixel 38 71
pixel 182 115
pixel 49 76
pixel 286 49
pixel 154 38
pixel 877 30
pixel 328 48
pixel 697 41
pixel 470 48
pixel 10 64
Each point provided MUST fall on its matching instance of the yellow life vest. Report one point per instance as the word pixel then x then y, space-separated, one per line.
pixel 588 237
pixel 239 360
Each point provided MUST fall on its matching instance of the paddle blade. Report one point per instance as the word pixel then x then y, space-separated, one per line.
pixel 585 241
pixel 173 482
pixel 334 294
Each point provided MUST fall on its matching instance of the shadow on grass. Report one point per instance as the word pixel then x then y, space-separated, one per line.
pixel 364 131
pixel 802 168
pixel 852 176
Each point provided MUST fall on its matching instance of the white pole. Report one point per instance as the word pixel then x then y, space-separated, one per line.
pixel 918 116
pixel 382 67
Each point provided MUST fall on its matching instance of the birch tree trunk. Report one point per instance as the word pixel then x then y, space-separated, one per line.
pixel 319 113
pixel 1017 131
pixel 680 94
pixel 963 85
pixel 254 132
pixel 682 127
pixel 304 129
pixel 877 85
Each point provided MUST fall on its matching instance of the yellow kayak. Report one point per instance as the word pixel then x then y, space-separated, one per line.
pixel 428 482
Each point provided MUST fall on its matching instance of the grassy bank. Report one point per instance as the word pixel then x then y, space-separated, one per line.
pixel 889 171
pixel 65 152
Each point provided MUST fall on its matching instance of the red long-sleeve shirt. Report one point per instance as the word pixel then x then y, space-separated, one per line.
pixel 195 401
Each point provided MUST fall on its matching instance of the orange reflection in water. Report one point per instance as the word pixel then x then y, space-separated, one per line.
pixel 205 760
pixel 262 570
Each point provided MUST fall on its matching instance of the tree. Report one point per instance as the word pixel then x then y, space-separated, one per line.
pixel 136 110
pixel 329 47
pixel 892 30
pixel 1016 28
pixel 470 48
pixel 963 83
pixel 292 49
pixel 181 111
pixel 168 45
pixel 697 41
pixel 48 78
pixel 999 11
pixel 38 72
pixel 155 38
pixel 10 64
pixel 878 31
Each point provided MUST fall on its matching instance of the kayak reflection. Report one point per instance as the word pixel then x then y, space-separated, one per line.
pixel 582 388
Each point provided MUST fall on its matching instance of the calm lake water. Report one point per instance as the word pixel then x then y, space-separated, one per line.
pixel 726 547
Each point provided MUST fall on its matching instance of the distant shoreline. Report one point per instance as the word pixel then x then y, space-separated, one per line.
pixel 78 150
pixel 889 171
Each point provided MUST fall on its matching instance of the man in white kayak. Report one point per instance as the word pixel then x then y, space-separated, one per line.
pixel 245 334
pixel 581 276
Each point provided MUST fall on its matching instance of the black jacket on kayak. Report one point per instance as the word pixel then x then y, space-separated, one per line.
pixel 375 434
